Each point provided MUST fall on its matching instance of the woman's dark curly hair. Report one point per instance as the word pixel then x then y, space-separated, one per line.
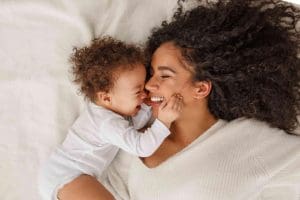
pixel 248 50
pixel 95 66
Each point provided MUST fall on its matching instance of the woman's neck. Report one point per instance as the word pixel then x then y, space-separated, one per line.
pixel 192 124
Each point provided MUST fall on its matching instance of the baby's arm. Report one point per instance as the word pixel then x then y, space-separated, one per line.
pixel 142 118
pixel 117 131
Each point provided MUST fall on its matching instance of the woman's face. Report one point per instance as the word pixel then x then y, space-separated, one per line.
pixel 169 75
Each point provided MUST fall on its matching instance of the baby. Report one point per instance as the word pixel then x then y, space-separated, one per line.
pixel 111 75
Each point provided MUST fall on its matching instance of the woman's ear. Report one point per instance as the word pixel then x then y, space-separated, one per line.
pixel 103 98
pixel 201 89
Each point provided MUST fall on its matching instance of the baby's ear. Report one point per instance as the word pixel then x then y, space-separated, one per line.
pixel 202 89
pixel 103 97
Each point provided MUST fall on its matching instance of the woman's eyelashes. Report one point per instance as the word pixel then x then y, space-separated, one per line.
pixel 161 74
pixel 165 76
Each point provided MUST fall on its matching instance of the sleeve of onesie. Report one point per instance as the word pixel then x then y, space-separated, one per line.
pixel 117 131
pixel 142 117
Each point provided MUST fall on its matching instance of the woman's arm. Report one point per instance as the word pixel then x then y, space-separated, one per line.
pixel 84 187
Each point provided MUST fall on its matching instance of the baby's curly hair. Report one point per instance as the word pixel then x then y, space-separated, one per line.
pixel 95 66
pixel 248 50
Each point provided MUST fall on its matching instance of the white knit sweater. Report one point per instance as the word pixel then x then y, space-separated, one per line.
pixel 243 159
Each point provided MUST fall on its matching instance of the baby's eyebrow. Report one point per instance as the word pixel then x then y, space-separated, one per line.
pixel 166 68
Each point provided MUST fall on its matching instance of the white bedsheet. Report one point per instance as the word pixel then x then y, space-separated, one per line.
pixel 38 101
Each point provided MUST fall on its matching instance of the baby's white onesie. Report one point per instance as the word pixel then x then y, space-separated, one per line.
pixel 94 140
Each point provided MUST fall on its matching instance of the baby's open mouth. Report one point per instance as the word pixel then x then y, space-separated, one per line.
pixel 138 107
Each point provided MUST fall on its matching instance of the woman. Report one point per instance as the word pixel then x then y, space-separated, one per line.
pixel 235 64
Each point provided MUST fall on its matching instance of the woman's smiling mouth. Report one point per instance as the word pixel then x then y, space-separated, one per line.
pixel 157 99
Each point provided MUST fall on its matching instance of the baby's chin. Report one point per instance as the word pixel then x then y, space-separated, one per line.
pixel 135 111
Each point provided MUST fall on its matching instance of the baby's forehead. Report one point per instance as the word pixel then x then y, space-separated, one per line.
pixel 131 78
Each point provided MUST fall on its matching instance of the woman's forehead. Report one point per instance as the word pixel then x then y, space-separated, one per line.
pixel 167 48
pixel 168 55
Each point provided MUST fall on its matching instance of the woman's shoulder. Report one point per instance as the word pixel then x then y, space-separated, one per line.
pixel 284 184
pixel 259 137
pixel 254 128
pixel 272 148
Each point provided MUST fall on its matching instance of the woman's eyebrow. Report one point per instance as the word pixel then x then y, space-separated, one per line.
pixel 166 68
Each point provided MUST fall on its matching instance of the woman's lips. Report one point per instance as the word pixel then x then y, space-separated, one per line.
pixel 154 100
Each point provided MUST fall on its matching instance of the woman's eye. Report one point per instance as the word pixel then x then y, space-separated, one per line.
pixel 164 76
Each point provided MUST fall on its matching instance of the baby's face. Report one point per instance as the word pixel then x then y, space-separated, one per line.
pixel 128 92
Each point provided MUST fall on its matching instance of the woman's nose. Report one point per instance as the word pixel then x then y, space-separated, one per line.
pixel 151 85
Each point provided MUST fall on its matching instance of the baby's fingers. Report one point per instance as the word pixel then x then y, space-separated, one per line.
pixel 178 103
pixel 163 104
pixel 172 102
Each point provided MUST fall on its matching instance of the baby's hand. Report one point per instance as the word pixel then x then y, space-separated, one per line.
pixel 170 111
